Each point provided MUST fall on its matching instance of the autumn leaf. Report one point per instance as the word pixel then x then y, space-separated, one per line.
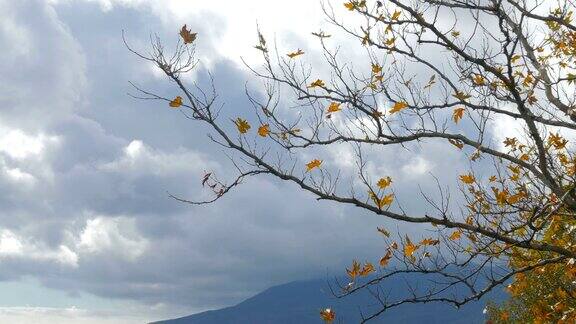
pixel 327 315
pixel 264 130
pixel 313 164
pixel 478 80
pixel 390 41
pixel 431 81
pixel 294 54
pixel 386 200
pixel 429 241
pixel 515 58
pixel 394 245
pixel 396 15
pixel 510 142
pixel 455 235
pixel 176 102
pixel 350 5
pixel 187 36
pixel 242 125
pixel 383 231
pixel 492 178
pixel 317 83
pixel 461 95
pixel 386 258
pixel 457 114
pixel 455 33
pixel 467 178
pixel 398 106
pixel 367 269
pixel 456 143
pixel 384 182
pixel 333 107
pixel 409 248
pixel 354 271
pixel 376 68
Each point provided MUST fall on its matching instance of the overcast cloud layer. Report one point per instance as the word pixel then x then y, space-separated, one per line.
pixel 84 168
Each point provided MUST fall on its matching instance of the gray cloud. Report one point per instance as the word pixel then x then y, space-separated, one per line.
pixel 87 209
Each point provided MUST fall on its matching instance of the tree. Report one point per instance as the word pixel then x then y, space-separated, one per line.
pixel 433 71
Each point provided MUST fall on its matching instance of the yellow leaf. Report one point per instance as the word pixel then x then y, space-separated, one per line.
pixel 390 41
pixel 334 107
pixel 467 178
pixel 455 33
pixel 294 54
pixel 242 125
pixel 455 235
pixel 176 102
pixel 398 106
pixel 264 130
pixel 187 36
pixel 478 80
pixel 457 114
pixel 376 68
pixel 317 83
pixel 350 5
pixel 409 248
pixel 396 15
pixel 386 200
pixel 515 58
pixel 492 178
pixel 384 182
pixel 313 164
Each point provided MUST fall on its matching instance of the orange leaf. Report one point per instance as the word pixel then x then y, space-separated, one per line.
pixel 334 107
pixel 429 241
pixel 264 130
pixel 457 114
pixel 386 258
pixel 317 83
pixel 313 164
pixel 294 54
pixel 409 248
pixel 455 235
pixel 177 102
pixel 327 315
pixel 398 106
pixel 367 269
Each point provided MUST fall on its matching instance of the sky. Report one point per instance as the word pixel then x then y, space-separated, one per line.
pixel 88 233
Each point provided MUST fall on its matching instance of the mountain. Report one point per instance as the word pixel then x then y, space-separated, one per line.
pixel 299 302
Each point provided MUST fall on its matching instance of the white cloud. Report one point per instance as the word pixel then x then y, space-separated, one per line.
pixel 15 246
pixel 114 235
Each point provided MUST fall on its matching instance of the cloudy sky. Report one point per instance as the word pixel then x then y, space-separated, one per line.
pixel 88 233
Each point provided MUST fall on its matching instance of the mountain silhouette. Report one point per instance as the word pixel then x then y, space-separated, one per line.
pixel 300 302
